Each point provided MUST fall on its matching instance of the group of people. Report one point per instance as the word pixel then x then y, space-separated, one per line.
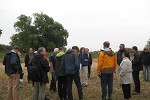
pixel 64 68
pixel 69 66
pixel 127 70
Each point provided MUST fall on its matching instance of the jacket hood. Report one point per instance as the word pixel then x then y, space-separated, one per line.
pixel 108 52
pixel 38 56
pixel 69 51
pixel 60 54
pixel 12 51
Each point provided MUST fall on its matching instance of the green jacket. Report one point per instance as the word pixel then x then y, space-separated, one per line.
pixel 60 70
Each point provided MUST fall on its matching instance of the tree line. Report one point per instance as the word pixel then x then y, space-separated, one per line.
pixel 38 30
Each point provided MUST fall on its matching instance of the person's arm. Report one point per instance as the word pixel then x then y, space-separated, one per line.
pixel 45 65
pixel 4 61
pixel 79 58
pixel 63 61
pixel 13 61
pixel 90 59
pixel 51 64
pixel 115 63
pixel 26 60
pixel 86 58
pixel 77 62
pixel 100 62
pixel 123 69
pixel 136 60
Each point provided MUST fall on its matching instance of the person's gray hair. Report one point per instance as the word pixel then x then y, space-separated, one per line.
pixel 41 49
pixel 56 50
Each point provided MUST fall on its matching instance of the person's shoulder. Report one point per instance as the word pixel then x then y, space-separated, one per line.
pixel 118 51
pixel 13 54
pixel 101 53
pixel 86 54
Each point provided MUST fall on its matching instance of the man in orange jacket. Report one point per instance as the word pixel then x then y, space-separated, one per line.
pixel 107 63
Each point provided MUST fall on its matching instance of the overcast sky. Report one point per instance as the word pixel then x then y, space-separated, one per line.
pixel 89 22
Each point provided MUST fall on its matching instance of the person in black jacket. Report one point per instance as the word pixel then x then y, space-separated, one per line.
pixel 13 70
pixel 136 66
pixel 89 61
pixel 120 52
pixel 40 85
pixel 145 57
pixel 28 61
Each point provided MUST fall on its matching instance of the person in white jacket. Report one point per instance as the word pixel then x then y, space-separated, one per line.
pixel 125 74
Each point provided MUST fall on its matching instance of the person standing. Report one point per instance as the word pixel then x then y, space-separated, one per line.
pixel 13 70
pixel 107 63
pixel 43 68
pixel 83 57
pixel 28 61
pixel 61 74
pixel 52 61
pixel 136 66
pixel 72 66
pixel 145 57
pixel 120 52
pixel 125 73
pixel 89 61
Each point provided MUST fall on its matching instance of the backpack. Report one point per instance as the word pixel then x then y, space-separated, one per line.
pixel 34 71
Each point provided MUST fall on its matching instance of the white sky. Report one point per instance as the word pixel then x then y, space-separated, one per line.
pixel 89 22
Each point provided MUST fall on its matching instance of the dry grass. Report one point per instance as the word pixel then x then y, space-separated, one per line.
pixel 92 92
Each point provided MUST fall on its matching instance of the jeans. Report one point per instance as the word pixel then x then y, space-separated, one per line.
pixel 136 81
pixel 53 82
pixel 13 87
pixel 146 72
pixel 39 91
pixel 84 75
pixel 126 91
pixel 76 78
pixel 106 80
pixel 62 87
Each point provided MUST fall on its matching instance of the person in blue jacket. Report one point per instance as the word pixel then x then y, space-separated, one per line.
pixel 83 57
pixel 72 66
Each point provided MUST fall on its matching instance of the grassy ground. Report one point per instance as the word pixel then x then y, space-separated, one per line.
pixel 92 92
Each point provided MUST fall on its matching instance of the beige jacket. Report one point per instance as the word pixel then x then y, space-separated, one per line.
pixel 125 71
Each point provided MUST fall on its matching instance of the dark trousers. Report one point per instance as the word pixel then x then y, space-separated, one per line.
pixel 126 90
pixel 89 70
pixel 106 80
pixel 53 82
pixel 28 77
pixel 62 87
pixel 76 78
pixel 136 81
